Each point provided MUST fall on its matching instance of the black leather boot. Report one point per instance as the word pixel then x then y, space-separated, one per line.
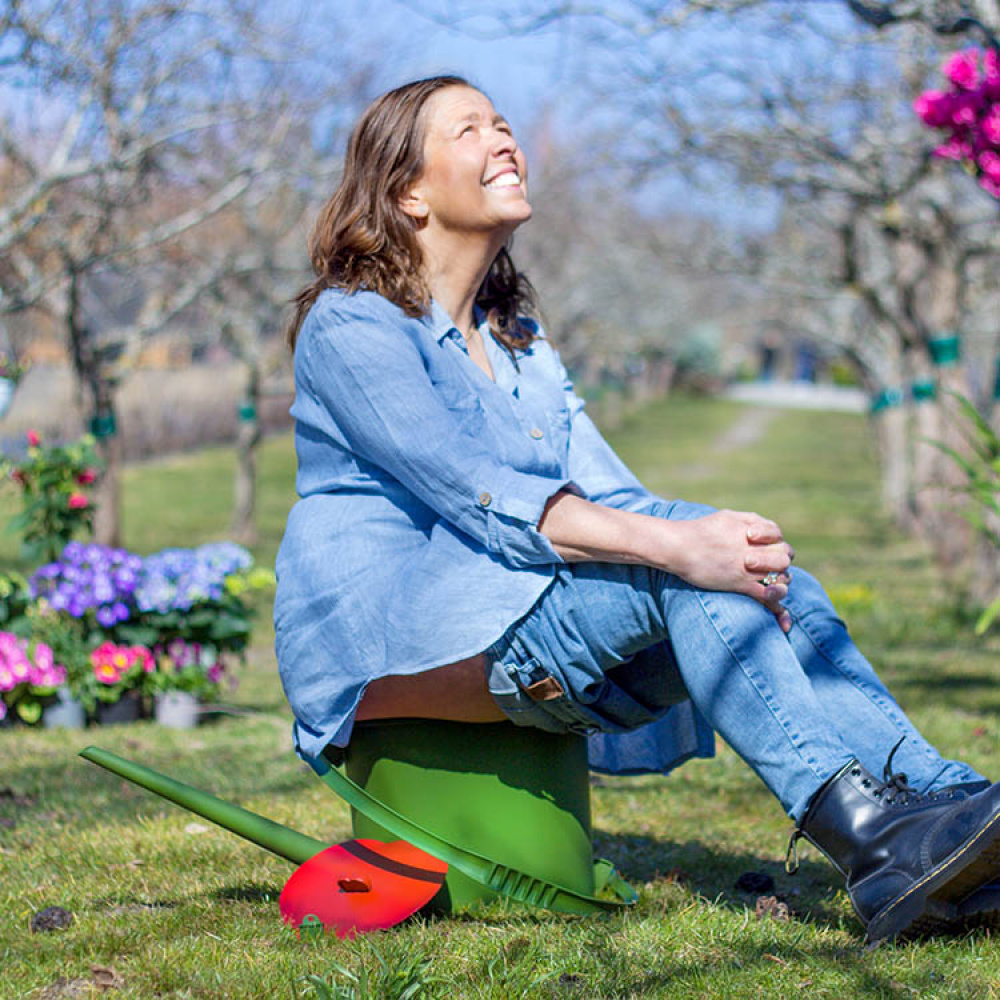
pixel 910 860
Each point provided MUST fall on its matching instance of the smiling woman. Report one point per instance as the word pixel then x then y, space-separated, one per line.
pixel 468 547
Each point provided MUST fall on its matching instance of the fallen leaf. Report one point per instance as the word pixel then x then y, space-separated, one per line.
pixel 775 959
pixel 194 828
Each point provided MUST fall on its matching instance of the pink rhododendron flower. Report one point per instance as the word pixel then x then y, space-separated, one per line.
pixel 953 149
pixel 77 501
pixel 934 108
pixel 34 438
pixel 964 109
pixel 990 126
pixel 962 68
pixel 86 477
pixel 989 164
pixel 990 187
pixel 991 65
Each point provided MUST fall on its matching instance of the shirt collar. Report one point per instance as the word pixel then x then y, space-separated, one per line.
pixel 441 323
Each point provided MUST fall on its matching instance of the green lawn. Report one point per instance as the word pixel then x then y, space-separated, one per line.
pixel 176 909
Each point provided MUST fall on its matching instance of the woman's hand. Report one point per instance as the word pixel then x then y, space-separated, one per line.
pixel 728 550
pixel 734 551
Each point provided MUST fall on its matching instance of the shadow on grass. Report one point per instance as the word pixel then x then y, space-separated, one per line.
pixel 713 874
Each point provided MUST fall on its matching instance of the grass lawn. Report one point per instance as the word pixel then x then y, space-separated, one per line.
pixel 166 906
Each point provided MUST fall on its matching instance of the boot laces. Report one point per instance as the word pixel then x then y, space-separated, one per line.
pixel 895 786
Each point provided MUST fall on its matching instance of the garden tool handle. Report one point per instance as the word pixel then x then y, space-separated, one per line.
pixel 500 878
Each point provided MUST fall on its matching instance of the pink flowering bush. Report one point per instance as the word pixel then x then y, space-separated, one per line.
pixel 969 114
pixel 29 677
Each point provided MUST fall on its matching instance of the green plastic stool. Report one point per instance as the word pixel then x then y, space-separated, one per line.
pixel 508 807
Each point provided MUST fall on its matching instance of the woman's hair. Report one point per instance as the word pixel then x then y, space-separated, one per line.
pixel 364 240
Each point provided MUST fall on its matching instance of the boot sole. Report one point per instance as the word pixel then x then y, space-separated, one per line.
pixel 930 905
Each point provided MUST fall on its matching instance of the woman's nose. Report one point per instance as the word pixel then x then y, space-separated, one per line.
pixel 503 142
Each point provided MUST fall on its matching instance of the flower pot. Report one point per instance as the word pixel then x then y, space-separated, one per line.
pixel 128 708
pixel 7 386
pixel 177 710
pixel 65 712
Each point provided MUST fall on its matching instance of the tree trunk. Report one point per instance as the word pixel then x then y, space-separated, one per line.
pixel 245 484
pixel 897 499
pixel 99 392
pixel 107 513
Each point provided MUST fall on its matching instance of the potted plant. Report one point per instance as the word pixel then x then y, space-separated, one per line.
pixel 186 674
pixel 114 686
pixel 29 678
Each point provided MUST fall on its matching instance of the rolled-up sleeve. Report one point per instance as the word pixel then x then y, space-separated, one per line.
pixel 375 396
pixel 593 464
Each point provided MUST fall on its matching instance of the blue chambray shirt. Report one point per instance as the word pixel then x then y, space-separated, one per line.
pixel 421 481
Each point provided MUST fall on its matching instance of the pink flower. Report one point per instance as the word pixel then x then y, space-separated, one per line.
pixel 962 69
pixel 990 126
pixel 43 656
pixel 991 64
pixel 964 109
pixel 989 164
pixel 7 681
pixel 3 709
pixel 86 477
pixel 34 438
pixel 953 149
pixel 934 108
pixel 141 655
pixel 107 673
pixel 990 187
pixel 77 501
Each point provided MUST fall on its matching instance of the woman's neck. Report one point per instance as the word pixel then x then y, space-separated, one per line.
pixel 455 266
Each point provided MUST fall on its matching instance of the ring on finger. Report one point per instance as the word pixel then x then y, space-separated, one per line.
pixel 770 579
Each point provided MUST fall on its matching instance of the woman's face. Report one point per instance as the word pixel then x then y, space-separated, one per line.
pixel 475 176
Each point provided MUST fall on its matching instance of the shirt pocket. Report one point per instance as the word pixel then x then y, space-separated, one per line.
pixel 464 404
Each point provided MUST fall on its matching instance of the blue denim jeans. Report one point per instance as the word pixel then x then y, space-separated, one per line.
pixel 609 647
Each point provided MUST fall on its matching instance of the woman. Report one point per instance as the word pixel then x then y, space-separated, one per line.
pixel 468 547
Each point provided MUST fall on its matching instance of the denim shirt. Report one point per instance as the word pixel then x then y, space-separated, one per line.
pixel 414 543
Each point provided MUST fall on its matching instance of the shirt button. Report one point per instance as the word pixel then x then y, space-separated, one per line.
pixel 485 499
pixel 536 433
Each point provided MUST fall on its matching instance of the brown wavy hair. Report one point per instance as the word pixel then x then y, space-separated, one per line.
pixel 362 239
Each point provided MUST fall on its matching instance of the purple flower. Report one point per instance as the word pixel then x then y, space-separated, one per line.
pixel 106 616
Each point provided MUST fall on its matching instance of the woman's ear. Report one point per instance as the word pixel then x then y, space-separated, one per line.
pixel 413 204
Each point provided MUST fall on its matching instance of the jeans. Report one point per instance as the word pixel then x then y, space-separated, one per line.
pixel 609 647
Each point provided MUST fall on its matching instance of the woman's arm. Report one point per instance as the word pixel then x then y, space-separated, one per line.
pixel 728 550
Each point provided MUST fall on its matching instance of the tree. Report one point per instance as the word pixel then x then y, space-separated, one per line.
pixel 131 132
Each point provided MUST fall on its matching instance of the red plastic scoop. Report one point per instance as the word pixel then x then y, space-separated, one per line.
pixel 359 886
